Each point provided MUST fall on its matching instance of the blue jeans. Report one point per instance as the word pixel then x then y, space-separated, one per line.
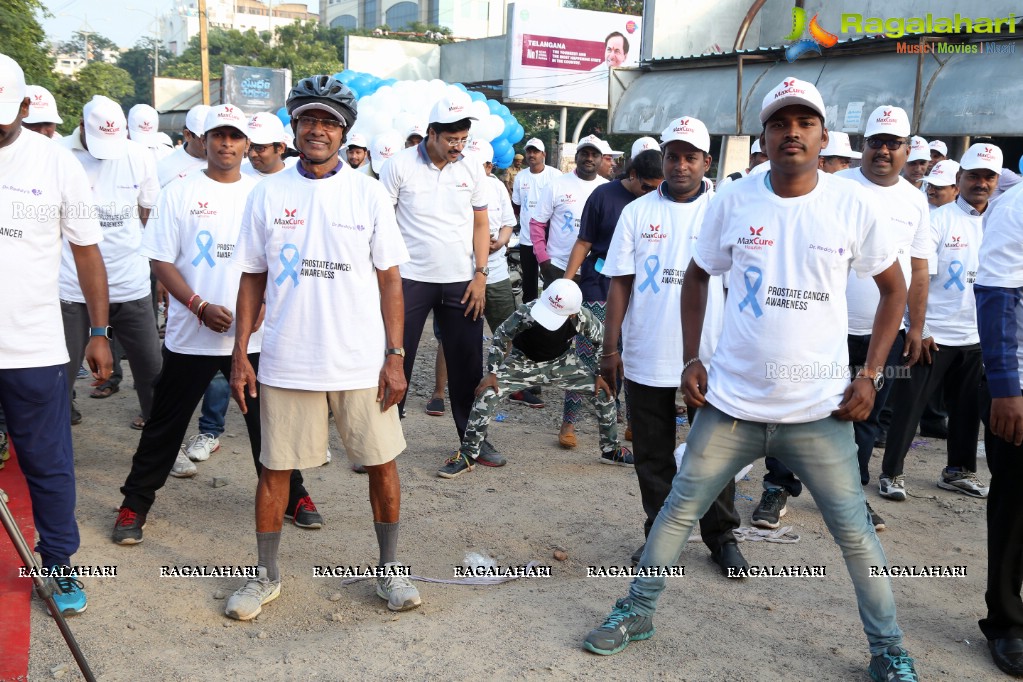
pixel 823 455
pixel 214 406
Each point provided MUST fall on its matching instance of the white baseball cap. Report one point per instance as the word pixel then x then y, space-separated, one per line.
pixel 165 139
pixel 982 155
pixel 384 147
pixel 415 129
pixel 106 129
pixel 595 142
pixel 356 140
pixel 42 107
pixel 644 144
pixel 687 129
pixel 196 119
pixel 943 174
pixel 226 116
pixel 888 120
pixel 939 146
pixel 536 144
pixel 918 149
pixel 265 128
pixel 791 91
pixel 561 299
pixel 12 89
pixel 838 145
pixel 480 149
pixel 755 147
pixel 143 125
pixel 452 108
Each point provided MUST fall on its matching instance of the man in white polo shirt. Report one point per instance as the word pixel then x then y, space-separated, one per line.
pixel 42 193
pixel 526 195
pixel 320 245
pixel 785 240
pixel 189 157
pixel 42 112
pixel 942 185
pixel 836 155
pixel 650 249
pixel 954 348
pixel 123 178
pixel 441 206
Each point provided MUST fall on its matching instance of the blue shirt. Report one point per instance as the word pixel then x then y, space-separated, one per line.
pixel 597 226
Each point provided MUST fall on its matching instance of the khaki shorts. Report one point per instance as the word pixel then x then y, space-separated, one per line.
pixel 294 427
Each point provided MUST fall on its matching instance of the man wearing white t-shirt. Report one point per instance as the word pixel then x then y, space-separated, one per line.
pixel 42 189
pixel 650 249
pixel 836 156
pixel 190 156
pixel 918 161
pixel 441 207
pixel 525 198
pixel 942 185
pixel 267 143
pixel 190 242
pixel 954 348
pixel 122 174
pixel 777 382
pixel 42 112
pixel 319 243
pixel 554 224
pixel 357 154
pixel 999 293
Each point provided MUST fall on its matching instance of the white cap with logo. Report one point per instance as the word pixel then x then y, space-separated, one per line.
pixel 943 174
pixel 918 149
pixel 384 147
pixel 888 120
pixel 755 147
pixel 561 299
pixel 982 156
pixel 42 107
pixel 143 125
pixel 195 119
pixel 595 142
pixel 265 128
pixel 536 144
pixel 644 144
pixel 226 116
pixel 449 109
pixel 106 129
pixel 789 92
pixel 838 145
pixel 415 129
pixel 12 89
pixel 356 140
pixel 687 129
pixel 480 149
pixel 939 146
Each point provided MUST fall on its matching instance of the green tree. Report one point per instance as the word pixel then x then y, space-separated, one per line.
pixel 307 48
pixel 97 78
pixel 225 47
pixel 24 40
pixel 634 7
pixel 138 62
pixel 97 44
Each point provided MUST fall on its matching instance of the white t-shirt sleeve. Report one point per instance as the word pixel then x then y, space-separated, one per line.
pixel 386 245
pixel 873 252
pixel 712 254
pixel 1001 259
pixel 160 239
pixel 621 254
pixel 479 190
pixel 544 206
pixel 507 212
pixel 516 195
pixel 250 250
pixel 78 226
pixel 149 186
pixel 923 245
pixel 391 180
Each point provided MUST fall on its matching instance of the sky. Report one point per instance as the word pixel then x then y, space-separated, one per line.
pixel 122 23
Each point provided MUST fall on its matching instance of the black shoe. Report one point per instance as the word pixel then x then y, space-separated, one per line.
pixel 304 515
pixel 638 554
pixel 728 557
pixel 875 518
pixel 76 416
pixel 935 430
pixel 1007 654
pixel 456 466
pixel 771 508
pixel 128 527
pixel 489 456
pixel 526 398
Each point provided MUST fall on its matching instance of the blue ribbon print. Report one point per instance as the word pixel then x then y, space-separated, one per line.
pixel 569 223
pixel 652 267
pixel 289 264
pixel 955 273
pixel 752 287
pixel 204 240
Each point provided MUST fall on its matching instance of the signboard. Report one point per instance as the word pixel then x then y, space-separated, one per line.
pixel 253 89
pixel 562 56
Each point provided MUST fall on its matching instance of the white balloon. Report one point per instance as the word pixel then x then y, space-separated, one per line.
pixel 479 111
pixel 494 127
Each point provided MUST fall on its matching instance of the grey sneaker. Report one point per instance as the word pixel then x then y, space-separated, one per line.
pixel 621 627
pixel 962 481
pixel 894 665
pixel 771 508
pixel 400 593
pixel 183 467
pixel 892 487
pixel 489 456
pixel 247 602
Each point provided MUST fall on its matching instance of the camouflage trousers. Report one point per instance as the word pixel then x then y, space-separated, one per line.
pixel 518 373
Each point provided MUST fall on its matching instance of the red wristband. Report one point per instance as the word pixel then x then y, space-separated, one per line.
pixel 189 304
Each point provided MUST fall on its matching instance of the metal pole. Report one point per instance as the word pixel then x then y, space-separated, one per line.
pixel 204 52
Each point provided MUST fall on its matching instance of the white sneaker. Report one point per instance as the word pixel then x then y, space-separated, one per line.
pixel 400 593
pixel 183 467
pixel 328 456
pixel 247 602
pixel 965 482
pixel 200 447
pixel 892 488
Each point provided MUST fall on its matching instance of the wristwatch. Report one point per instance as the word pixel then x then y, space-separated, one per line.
pixel 395 351
pixel 107 331
pixel 877 379
pixel 485 271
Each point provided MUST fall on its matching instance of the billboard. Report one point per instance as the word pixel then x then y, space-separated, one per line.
pixel 253 89
pixel 562 56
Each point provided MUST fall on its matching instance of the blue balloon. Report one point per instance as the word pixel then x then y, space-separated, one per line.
pixel 355 91
pixel 506 160
pixel 346 76
pixel 477 96
pixel 502 148
pixel 509 123
pixel 390 81
pixel 1021 164
pixel 518 132
pixel 504 111
pixel 494 106
pixel 461 87
pixel 282 114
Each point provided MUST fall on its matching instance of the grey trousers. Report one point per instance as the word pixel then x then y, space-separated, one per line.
pixel 133 325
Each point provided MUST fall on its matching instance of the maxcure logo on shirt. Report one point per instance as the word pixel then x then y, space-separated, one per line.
pixel 203 211
pixel 289 221
pixel 653 232
pixel 756 239
pixel 957 243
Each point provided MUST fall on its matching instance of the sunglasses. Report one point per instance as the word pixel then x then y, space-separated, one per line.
pixel 328 124
pixel 876 143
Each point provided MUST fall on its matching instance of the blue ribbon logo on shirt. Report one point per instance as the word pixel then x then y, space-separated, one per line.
pixel 289 263
pixel 955 273
pixel 652 267
pixel 204 240
pixel 752 287
pixel 569 222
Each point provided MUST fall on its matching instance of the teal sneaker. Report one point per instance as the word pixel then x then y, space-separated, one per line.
pixel 621 627
pixel 70 594
pixel 894 665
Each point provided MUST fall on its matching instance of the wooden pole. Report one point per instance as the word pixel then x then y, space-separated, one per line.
pixel 204 52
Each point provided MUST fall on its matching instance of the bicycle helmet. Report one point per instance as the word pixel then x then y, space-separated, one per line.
pixel 325 93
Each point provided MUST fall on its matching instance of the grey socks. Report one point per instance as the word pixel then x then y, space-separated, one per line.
pixel 387 538
pixel 267 545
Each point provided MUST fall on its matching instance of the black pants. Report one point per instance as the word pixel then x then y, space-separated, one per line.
pixel 179 388
pixel 653 448
pixel 461 338
pixel 530 272
pixel 959 369
pixel 1004 534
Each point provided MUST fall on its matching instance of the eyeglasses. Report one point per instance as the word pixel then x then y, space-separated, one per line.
pixel 260 148
pixel 647 188
pixel 877 143
pixel 456 142
pixel 328 124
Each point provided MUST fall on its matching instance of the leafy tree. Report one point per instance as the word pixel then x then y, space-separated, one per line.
pixel 138 62
pixel 97 45
pixel 96 78
pixel 616 6
pixel 24 40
